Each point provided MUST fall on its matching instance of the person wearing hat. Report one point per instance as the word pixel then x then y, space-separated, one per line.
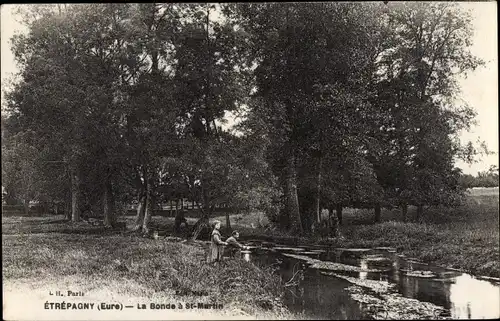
pixel 216 249
pixel 234 245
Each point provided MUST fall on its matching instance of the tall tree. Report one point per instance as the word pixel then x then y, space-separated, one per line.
pixel 149 114
pixel 420 118
pixel 70 71
pixel 210 81
pixel 313 63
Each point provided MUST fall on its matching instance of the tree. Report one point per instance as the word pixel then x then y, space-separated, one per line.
pixel 346 104
pixel 19 171
pixel 417 86
pixel 149 111
pixel 487 178
pixel 209 82
pixel 313 63
pixel 45 83
pixel 69 71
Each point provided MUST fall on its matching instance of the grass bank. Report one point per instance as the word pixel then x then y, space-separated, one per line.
pixel 50 253
pixel 465 238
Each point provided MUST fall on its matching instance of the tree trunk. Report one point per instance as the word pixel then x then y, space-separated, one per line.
pixel 338 209
pixel 154 62
pixel 75 194
pixel 228 222
pixel 204 221
pixel 179 219
pixel 318 192
pixel 67 206
pixel 307 208
pixel 329 222
pixel 148 213
pixel 109 204
pixel 141 208
pixel 26 206
pixel 176 207
pixel 404 209
pixel 292 197
pixel 420 211
pixel 206 200
pixel 199 225
pixel 377 213
pixel 284 213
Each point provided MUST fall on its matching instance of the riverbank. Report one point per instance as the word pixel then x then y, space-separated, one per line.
pixel 465 238
pixel 130 270
pixel 42 254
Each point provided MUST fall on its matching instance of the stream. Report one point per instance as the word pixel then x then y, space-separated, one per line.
pixel 344 283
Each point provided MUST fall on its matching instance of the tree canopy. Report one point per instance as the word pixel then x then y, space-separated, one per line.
pixel 344 104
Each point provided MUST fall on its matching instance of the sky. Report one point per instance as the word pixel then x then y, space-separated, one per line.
pixel 479 89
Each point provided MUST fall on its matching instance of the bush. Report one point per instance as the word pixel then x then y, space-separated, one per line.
pixel 273 213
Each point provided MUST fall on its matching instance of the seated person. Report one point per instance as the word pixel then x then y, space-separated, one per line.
pixel 233 245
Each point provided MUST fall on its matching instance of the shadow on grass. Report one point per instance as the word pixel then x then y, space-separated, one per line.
pixel 57 226
pixel 102 231
pixel 59 221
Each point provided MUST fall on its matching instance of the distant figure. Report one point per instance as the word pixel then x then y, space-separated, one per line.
pixel 234 245
pixel 334 226
pixel 216 250
pixel 179 219
pixel 313 228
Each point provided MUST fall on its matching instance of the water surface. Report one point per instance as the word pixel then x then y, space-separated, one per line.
pixel 383 284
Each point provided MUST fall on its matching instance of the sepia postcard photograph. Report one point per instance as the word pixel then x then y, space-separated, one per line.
pixel 236 161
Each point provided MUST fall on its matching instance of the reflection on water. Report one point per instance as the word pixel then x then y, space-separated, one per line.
pixel 409 287
pixel 395 271
pixel 363 265
pixel 473 298
pixel 322 297
pixel 316 295
pixel 464 296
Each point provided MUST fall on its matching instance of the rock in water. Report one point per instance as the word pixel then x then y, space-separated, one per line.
pixel 420 274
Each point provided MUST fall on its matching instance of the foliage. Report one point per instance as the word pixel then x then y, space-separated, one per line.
pixel 343 104
pixel 19 161
pixel 462 237
pixel 416 89
pixel 487 178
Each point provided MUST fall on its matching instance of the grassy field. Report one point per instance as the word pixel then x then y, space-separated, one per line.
pixel 465 238
pixel 41 254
